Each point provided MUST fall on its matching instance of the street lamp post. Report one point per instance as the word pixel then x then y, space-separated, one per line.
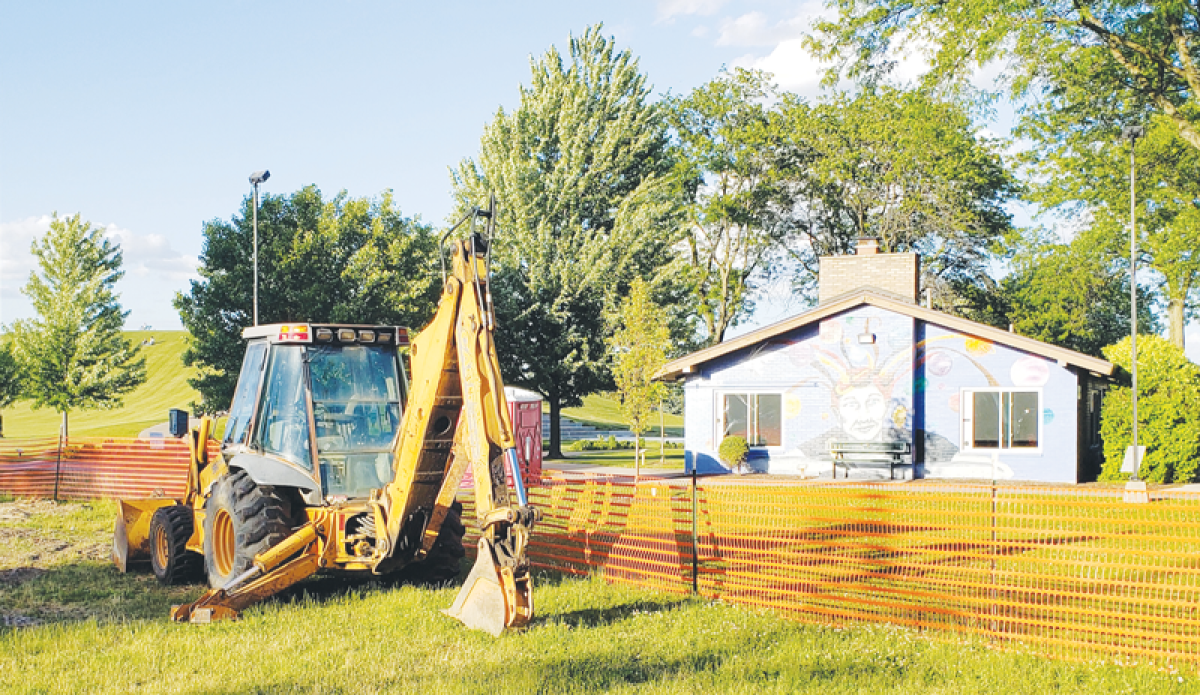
pixel 257 178
pixel 1135 490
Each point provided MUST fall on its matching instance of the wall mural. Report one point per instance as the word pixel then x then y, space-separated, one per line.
pixel 854 378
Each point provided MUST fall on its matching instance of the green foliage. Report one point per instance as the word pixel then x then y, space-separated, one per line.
pixel 734 171
pixel 347 260
pixel 609 443
pixel 733 451
pixel 906 168
pixel 581 175
pixel 1086 179
pixel 73 355
pixel 1082 70
pixel 1070 295
pixel 639 347
pixel 1168 413
pixel 1091 62
pixel 10 375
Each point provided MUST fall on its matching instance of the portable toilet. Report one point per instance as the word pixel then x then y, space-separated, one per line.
pixel 525 408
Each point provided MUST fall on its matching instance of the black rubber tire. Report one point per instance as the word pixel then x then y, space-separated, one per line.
pixel 170 529
pixel 443 563
pixel 257 518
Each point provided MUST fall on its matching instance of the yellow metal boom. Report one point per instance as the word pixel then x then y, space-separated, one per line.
pixel 456 416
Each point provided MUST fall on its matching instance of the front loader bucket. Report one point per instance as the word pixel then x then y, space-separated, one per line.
pixel 493 597
pixel 131 537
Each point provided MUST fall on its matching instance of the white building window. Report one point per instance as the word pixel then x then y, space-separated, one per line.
pixel 756 416
pixel 998 418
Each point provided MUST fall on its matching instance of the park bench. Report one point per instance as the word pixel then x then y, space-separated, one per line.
pixel 870 455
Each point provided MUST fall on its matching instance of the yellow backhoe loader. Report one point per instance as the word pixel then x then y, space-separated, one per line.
pixel 324 465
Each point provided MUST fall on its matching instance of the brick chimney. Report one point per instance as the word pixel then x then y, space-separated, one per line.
pixel 866 246
pixel 896 274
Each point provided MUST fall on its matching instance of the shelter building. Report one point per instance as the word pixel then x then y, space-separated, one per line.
pixel 870 367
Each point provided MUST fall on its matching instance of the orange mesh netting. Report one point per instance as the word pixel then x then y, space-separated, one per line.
pixel 1069 570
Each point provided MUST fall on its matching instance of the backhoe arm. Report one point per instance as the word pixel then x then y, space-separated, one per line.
pixel 457 417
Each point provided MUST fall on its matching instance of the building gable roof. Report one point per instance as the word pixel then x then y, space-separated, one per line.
pixel 688 364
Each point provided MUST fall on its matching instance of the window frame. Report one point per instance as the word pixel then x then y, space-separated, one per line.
pixel 719 411
pixel 966 419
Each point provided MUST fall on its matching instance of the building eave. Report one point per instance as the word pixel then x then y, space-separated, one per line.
pixel 689 364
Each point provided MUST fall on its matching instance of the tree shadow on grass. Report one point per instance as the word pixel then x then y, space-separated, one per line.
pixel 81 591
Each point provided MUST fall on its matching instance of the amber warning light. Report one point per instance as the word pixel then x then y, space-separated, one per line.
pixel 293 332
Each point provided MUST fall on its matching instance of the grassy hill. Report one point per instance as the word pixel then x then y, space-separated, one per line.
pixel 605 413
pixel 165 388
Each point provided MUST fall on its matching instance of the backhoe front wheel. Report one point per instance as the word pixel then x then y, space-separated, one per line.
pixel 242 519
pixel 170 529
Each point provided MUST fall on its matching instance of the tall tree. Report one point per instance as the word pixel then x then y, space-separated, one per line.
pixel 639 348
pixel 1075 57
pixel 1078 177
pixel 1071 295
pixel 733 169
pixel 10 378
pixel 581 174
pixel 903 167
pixel 350 260
pixel 73 355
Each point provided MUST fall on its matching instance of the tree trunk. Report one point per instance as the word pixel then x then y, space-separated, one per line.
pixel 637 455
pixel 1175 320
pixel 555 428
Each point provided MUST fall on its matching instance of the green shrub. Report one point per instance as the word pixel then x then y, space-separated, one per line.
pixel 598 444
pixel 733 452
pixel 1168 414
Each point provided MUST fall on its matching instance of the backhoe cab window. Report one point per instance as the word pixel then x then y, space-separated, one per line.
pixel 283 417
pixel 356 396
pixel 238 425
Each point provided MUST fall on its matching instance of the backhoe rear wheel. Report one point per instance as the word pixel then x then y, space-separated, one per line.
pixel 442 564
pixel 242 519
pixel 170 529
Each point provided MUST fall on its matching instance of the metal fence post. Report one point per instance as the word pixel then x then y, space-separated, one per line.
pixel 695 542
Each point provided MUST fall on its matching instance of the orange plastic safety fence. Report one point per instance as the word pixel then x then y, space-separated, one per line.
pixel 94 468
pixel 1067 570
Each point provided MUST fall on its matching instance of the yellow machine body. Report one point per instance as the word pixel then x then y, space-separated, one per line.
pixel 455 416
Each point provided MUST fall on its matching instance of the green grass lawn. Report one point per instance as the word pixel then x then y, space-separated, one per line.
pixel 605 413
pixel 92 629
pixel 655 457
pixel 165 388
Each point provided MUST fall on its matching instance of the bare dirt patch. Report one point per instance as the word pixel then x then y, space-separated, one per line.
pixel 27 541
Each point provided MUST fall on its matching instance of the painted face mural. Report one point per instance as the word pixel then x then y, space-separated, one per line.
pixel 863 412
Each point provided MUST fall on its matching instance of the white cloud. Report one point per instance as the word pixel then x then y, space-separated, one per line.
pixel 153 271
pixel 16 262
pixel 669 9
pixel 147 255
pixel 794 68
pixel 754 29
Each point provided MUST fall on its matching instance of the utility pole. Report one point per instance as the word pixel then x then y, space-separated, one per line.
pixel 257 178
pixel 1135 489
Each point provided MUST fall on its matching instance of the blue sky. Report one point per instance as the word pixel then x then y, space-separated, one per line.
pixel 147 118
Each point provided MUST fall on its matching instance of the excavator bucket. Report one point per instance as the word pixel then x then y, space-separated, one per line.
pixel 493 597
pixel 131 537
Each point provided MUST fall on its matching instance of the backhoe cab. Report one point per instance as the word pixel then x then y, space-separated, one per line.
pixel 332 460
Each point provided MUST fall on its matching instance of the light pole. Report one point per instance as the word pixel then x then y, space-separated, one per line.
pixel 1135 489
pixel 257 178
